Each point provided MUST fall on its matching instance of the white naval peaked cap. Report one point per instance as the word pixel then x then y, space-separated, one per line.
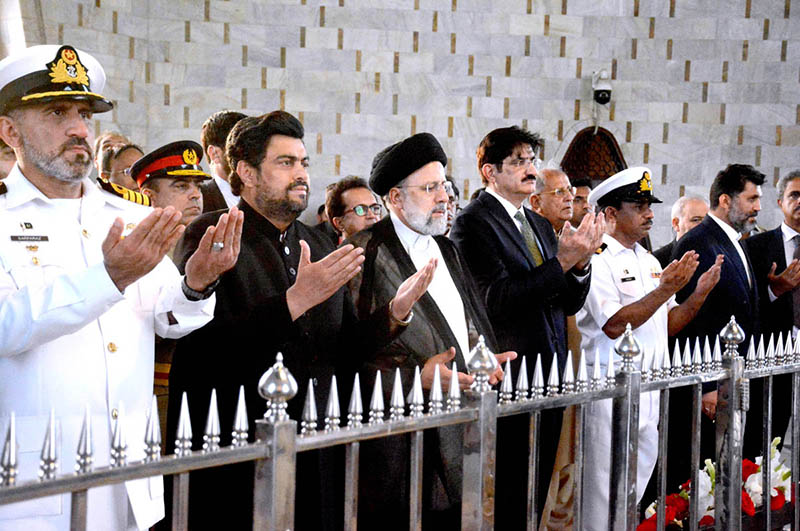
pixel 632 184
pixel 48 72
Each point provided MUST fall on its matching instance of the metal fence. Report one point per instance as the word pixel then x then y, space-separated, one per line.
pixel 278 442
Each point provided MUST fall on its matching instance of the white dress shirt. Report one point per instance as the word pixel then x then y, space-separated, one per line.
pixel 734 237
pixel 421 248
pixel 225 189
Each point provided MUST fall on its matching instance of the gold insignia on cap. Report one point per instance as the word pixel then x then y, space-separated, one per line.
pixel 67 68
pixel 645 183
pixel 190 156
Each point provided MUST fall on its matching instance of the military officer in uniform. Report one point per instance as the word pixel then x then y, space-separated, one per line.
pixel 84 286
pixel 628 286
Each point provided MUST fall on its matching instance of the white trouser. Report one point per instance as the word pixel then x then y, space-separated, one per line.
pixel 597 457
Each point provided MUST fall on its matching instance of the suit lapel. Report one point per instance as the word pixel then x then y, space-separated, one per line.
pixel 508 225
pixel 731 254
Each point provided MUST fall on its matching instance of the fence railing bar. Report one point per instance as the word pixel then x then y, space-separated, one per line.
pixel 415 490
pixel 102 476
pixel 577 503
pixel 538 404
pixel 694 498
pixel 684 381
pixel 766 446
pixel 77 518
pixel 663 462
pixel 274 485
pixel 180 502
pixel 351 461
pixel 480 447
pixel 534 423
pixel 376 431
pixel 770 371
pixel 795 465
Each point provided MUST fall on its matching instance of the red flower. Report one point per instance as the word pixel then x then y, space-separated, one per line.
pixel 777 501
pixel 748 468
pixel 680 505
pixel 670 514
pixel 648 525
pixel 747 504
pixel 686 486
pixel 707 520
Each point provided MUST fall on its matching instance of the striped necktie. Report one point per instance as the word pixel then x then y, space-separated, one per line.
pixel 530 238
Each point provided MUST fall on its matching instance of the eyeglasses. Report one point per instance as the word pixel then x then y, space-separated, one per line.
pixel 561 192
pixel 361 210
pixel 524 162
pixel 430 188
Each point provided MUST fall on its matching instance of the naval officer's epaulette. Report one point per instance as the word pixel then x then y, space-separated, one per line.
pixel 601 248
pixel 3 188
pixel 126 194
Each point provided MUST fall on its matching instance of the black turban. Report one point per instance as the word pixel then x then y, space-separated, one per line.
pixel 400 160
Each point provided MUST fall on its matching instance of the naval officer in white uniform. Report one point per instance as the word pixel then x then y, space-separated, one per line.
pixel 628 286
pixel 84 286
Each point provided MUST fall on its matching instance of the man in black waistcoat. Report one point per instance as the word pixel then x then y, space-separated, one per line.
pixel 286 294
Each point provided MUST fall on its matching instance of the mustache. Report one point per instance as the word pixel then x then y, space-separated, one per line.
pixel 299 184
pixel 76 142
pixel 442 208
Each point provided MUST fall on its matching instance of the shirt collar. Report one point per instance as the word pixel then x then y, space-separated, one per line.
pixel 225 189
pixel 788 232
pixel 21 191
pixel 614 247
pixel 729 231
pixel 409 238
pixel 507 205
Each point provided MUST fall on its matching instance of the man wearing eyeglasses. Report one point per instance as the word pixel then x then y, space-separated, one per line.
pixel 352 206
pixel 530 281
pixel 552 197
pixel 448 320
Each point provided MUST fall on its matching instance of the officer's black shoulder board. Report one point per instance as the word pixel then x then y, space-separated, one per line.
pixel 601 248
pixel 3 188
pixel 126 194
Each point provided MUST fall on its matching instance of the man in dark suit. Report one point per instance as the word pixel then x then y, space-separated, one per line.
pixel 529 281
pixel 286 294
pixel 447 322
pixel 217 194
pixel 774 255
pixel 735 198
pixel 687 212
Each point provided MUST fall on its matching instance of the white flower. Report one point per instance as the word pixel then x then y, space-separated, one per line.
pixel 754 489
pixel 706 500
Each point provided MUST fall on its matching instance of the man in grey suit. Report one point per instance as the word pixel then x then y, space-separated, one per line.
pixel 217 194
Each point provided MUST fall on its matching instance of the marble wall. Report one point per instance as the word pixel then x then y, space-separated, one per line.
pixel 696 84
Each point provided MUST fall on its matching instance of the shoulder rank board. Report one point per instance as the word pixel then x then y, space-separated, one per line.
pixel 120 191
pixel 601 248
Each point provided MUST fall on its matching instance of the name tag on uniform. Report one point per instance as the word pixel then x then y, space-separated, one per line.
pixel 627 279
pixel 656 274
pixel 31 238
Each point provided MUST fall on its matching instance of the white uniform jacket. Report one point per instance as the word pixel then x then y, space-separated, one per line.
pixel 69 339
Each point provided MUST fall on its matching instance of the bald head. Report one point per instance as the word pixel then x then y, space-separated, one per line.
pixel 687 213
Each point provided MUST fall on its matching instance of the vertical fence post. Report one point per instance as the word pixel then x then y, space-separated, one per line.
pixel 480 437
pixel 624 437
pixel 274 488
pixel 732 403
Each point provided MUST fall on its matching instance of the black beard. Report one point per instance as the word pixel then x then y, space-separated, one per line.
pixel 284 209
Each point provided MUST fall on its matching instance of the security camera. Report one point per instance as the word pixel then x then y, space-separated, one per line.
pixel 601 87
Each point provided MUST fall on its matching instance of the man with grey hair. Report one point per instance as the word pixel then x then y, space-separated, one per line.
pixel 552 197
pixel 778 250
pixel 448 320
pixel 687 212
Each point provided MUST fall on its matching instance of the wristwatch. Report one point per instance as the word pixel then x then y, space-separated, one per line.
pixel 400 322
pixel 195 296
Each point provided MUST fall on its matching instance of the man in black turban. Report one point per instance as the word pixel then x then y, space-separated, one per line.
pixel 447 321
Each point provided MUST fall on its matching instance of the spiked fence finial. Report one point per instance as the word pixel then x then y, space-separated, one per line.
pixel 597 378
pixel 716 357
pixel 308 422
pixel 611 378
pixel 436 400
pixel 627 347
pixel 332 412
pixel 8 460
pixel 507 386
pixel 538 378
pixel 376 406
pixel 521 392
pixel 119 440
pixel 84 457
pixel 568 385
pixel 552 378
pixel 454 392
pixel 416 402
pixel 152 434
pixel 240 423
pixel 731 335
pixel 582 383
pixel 397 405
pixel 183 439
pixel 482 364
pixel 212 431
pixel 355 410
